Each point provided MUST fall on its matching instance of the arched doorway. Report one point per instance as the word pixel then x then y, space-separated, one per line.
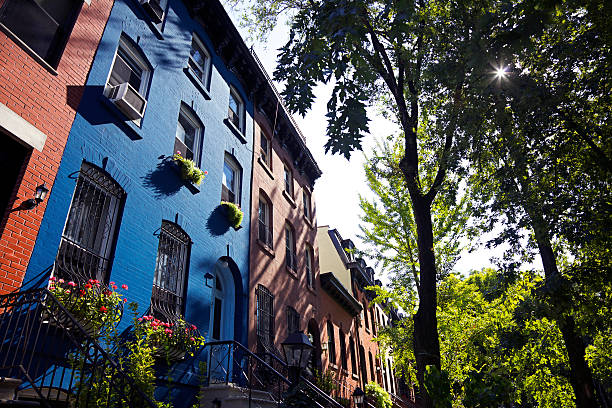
pixel 315 337
pixel 223 302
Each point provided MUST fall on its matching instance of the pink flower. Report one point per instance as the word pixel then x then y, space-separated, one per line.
pixel 71 283
pixel 103 309
pixel 168 331
pixel 178 152
pixel 205 172
pixel 53 279
pixel 140 319
pixel 88 286
pixel 114 287
pixel 124 286
pixel 193 327
pixel 111 283
pixel 61 281
pixel 191 339
pixel 124 300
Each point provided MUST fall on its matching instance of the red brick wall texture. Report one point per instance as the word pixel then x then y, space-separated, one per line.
pixel 46 100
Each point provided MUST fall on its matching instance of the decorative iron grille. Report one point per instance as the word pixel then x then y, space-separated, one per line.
pixel 89 234
pixel 265 316
pixel 170 271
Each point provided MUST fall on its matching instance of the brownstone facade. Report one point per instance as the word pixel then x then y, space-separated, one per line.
pixel 283 282
pixel 38 101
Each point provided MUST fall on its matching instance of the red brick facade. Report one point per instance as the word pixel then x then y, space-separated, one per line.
pixel 46 98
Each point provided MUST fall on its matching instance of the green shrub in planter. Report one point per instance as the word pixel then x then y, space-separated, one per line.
pixel 377 393
pixel 234 214
pixel 189 171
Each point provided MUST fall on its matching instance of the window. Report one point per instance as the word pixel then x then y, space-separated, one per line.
pixel 128 81
pixel 170 271
pixel 307 204
pixel 89 234
pixel 365 315
pixel 265 221
pixel 43 26
pixel 265 316
pixel 265 149
pixel 288 181
pixel 293 320
pixel 200 61
pixel 188 137
pixel 290 248
pixel 331 342
pixel 373 321
pixel 343 351
pixel 372 373
pixel 353 355
pixel 232 175
pixel 235 113
pixel 309 263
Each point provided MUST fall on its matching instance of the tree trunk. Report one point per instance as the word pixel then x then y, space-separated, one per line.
pixel 426 342
pixel 580 377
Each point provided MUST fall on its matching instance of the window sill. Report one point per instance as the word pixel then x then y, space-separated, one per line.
pixel 291 272
pixel 126 124
pixel 289 198
pixel 355 377
pixel 28 50
pixel 235 130
pixel 201 87
pixel 308 221
pixel 264 247
pixel 265 167
pixel 368 331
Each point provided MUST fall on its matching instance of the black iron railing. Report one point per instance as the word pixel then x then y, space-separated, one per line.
pixel 57 358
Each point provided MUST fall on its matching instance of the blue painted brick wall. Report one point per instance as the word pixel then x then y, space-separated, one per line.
pixel 131 157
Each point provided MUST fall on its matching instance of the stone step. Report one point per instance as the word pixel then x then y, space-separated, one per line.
pixel 233 396
pixel 8 388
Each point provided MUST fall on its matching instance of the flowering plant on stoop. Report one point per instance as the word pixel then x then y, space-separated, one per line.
pixel 189 171
pixel 168 338
pixel 91 303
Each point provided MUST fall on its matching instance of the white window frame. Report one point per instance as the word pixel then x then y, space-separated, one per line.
pixel 206 69
pixel 288 171
pixel 197 125
pixel 237 170
pixel 137 59
pixel 241 108
pixel 266 153
pixel 307 206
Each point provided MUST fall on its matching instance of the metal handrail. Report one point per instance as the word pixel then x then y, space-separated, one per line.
pixel 30 323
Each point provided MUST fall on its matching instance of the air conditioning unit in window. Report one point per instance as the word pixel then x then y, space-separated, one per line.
pixel 128 100
pixel 153 9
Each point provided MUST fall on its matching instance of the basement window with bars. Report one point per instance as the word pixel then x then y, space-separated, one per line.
pixel 167 298
pixel 89 234
pixel 293 320
pixel 265 316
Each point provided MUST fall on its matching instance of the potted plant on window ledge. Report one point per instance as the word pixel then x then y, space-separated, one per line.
pixel 169 341
pixel 190 173
pixel 94 306
pixel 233 213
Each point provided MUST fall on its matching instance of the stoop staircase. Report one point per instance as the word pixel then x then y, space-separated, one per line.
pixel 48 359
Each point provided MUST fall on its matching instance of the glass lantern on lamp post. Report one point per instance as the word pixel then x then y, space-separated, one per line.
pixel 358 397
pixel 297 349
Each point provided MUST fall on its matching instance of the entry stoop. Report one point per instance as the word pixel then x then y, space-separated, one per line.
pixel 232 396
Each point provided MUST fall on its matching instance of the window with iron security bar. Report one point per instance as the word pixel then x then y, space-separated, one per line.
pixel 293 320
pixel 89 233
pixel 170 271
pixel 265 316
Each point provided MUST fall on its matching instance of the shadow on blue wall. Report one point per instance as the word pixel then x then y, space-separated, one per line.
pixel 163 180
pixel 217 223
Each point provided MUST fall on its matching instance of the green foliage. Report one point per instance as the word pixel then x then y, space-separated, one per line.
pixel 325 381
pixel 189 171
pixel 378 394
pixel 234 214
pixel 437 384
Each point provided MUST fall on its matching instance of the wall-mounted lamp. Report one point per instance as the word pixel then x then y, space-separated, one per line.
pixel 208 276
pixel 39 197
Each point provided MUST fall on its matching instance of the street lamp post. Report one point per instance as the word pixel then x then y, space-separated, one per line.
pixel 297 349
pixel 358 397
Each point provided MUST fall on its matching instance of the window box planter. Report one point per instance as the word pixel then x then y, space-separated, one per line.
pixel 170 354
pixel 189 173
pixel 234 214
pixel 57 318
